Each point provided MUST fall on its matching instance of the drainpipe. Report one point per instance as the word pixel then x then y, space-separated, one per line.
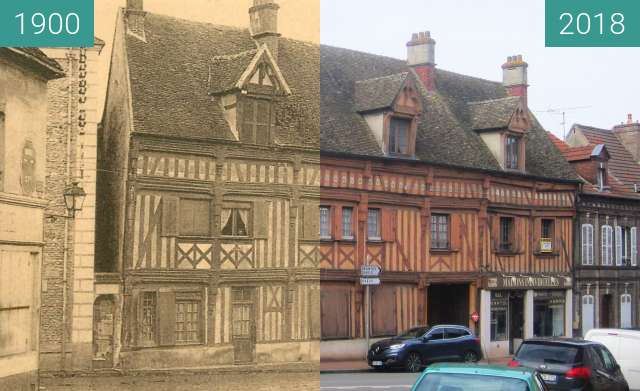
pixel 65 259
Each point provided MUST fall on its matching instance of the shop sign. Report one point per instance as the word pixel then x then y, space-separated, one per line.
pixel 527 282
pixel 369 271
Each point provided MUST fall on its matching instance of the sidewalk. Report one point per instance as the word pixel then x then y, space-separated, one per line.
pixel 362 366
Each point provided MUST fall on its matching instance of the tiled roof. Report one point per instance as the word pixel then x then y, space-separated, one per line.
pixel 36 59
pixel 445 131
pixel 622 166
pixel 169 77
pixel 492 113
pixel 379 92
pixel 226 70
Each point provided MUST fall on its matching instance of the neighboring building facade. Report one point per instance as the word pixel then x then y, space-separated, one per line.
pixel 450 185
pixel 68 308
pixel 208 192
pixel 24 74
pixel 606 245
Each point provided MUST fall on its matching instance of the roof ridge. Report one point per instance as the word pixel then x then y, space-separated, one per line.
pixel 384 77
pixel 493 100
pixel 227 57
pixel 592 128
pixel 221 26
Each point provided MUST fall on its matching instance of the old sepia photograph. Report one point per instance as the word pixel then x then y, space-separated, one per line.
pixel 159 197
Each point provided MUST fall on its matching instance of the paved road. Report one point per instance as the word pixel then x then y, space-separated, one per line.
pixel 374 381
pixel 195 382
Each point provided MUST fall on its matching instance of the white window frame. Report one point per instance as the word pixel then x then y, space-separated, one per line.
pixel 587 244
pixel 588 313
pixel 377 217
pixel 323 235
pixel 634 246
pixel 606 242
pixel 625 311
pixel 347 211
pixel 619 260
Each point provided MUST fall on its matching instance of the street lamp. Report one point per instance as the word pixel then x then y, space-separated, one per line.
pixel 74 198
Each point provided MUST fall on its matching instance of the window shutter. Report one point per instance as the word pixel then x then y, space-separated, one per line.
pixel 634 247
pixel 590 244
pixel 455 231
pixel 605 240
pixel 167 318
pixel 260 220
pixel 587 244
pixel 625 310
pixel 618 245
pixel 388 224
pixel 537 233
pixel 169 216
pixel 336 220
pixel 494 224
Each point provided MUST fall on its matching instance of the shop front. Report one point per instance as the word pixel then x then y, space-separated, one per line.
pixel 517 307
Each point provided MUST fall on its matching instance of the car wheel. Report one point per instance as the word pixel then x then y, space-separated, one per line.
pixel 413 362
pixel 470 357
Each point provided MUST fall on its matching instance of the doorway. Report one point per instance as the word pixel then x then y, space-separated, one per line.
pixel 103 322
pixel 606 311
pixel 516 320
pixel 243 325
pixel 448 304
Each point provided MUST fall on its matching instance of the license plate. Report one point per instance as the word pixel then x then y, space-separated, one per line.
pixel 549 378
pixel 376 363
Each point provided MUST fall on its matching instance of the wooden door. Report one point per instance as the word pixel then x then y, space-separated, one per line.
pixel 243 325
pixel 103 322
pixel 335 311
pixel 383 311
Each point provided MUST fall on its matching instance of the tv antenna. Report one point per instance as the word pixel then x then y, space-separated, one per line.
pixel 563 112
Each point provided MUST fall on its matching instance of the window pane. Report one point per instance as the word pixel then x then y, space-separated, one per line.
pixel 325 221
pixel 149 317
pixel 439 231
pixel 512 152
pixel 347 223
pixel 399 136
pixel 373 224
pixel 187 321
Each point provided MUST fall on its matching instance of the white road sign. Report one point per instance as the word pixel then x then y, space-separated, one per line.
pixel 369 281
pixel 369 270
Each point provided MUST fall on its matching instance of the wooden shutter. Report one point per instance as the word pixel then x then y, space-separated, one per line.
pixel 537 233
pixel 388 224
pixel 336 221
pixel 310 221
pixel 618 245
pixel 314 316
pixel 634 246
pixel 167 318
pixel 605 245
pixel 335 311
pixel 169 216
pixel 494 227
pixel 202 217
pixel 260 219
pixel 383 311
pixel 587 244
pixel 455 231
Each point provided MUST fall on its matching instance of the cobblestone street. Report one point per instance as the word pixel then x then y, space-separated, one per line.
pixel 193 382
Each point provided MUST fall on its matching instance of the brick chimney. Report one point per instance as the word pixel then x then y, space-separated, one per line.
pixel 263 18
pixel 134 15
pixel 514 76
pixel 629 134
pixel 421 56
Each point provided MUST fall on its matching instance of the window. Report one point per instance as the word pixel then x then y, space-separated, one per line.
pixel 602 176
pixel 548 313
pixel 456 333
pixel 506 234
pixel 499 305
pixel 437 334
pixel 606 357
pixel 607 245
pixel 512 152
pixel 588 313
pixel 547 229
pixel 439 232
pixel 634 246
pixel 373 224
pixel 187 321
pixel 347 223
pixel 625 310
pixel 587 244
pixel 399 136
pixel 626 246
pixel 148 324
pixel 194 217
pixel 256 119
pixel 325 222
pixel 235 221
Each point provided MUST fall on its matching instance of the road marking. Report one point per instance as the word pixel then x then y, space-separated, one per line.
pixel 365 387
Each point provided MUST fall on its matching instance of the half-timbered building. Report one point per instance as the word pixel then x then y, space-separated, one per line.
pixel 209 189
pixel 449 184
pixel 606 240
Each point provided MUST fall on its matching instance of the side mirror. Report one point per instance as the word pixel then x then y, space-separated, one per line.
pixel 426 338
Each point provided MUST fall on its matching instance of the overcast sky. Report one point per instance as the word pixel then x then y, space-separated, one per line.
pixel 475 37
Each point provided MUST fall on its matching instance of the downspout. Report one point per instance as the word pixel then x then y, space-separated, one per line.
pixel 63 358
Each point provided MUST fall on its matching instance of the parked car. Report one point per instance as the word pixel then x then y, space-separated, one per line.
pixel 571 364
pixel 422 345
pixel 473 377
pixel 624 344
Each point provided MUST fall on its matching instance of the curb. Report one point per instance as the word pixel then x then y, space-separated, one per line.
pixel 338 371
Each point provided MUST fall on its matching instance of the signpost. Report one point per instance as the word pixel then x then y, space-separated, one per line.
pixel 369 275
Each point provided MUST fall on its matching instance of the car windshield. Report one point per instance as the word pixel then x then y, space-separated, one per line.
pixel 468 382
pixel 413 333
pixel 547 353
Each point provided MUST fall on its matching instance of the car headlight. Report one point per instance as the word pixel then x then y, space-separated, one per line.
pixel 398 346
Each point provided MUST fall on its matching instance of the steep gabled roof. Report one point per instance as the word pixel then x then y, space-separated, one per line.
pixel 170 76
pixel 445 132
pixel 379 92
pixel 621 164
pixel 492 113
pixel 35 59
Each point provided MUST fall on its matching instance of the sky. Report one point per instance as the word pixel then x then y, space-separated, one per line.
pixel 593 86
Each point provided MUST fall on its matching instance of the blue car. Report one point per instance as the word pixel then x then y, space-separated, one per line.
pixel 420 346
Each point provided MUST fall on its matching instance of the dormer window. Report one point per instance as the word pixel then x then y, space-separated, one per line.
pixel 512 152
pixel 602 176
pixel 399 136
pixel 256 121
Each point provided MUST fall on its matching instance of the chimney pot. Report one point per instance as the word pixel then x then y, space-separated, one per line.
pixel 263 18
pixel 629 118
pixel 514 76
pixel 422 58
pixel 135 18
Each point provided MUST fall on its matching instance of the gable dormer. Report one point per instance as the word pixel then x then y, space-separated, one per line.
pixel 391 106
pixel 246 86
pixel 502 124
